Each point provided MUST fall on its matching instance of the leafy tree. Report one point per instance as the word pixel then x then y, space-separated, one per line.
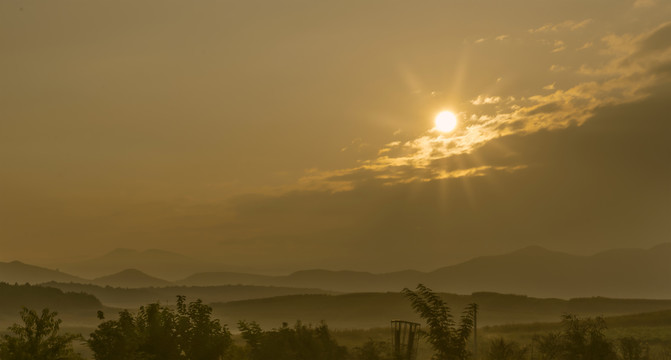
pixel 300 342
pixel 579 339
pixel 116 339
pixel 632 348
pixel 500 349
pixel 157 330
pixel 160 333
pixel 37 339
pixel 372 350
pixel 448 339
pixel 201 337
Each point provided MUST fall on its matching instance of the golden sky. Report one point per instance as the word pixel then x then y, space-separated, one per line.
pixel 290 134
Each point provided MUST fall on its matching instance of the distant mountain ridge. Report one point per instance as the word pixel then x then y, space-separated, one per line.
pixel 131 278
pixel 164 263
pixel 532 271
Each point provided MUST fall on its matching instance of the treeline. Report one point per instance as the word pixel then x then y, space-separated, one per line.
pixel 189 332
pixel 35 296
pixel 155 332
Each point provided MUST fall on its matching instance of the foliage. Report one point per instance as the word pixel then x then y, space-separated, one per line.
pixel 372 350
pixel 201 336
pixel 299 342
pixel 37 339
pixel 448 340
pixel 579 339
pixel 500 349
pixel 158 332
pixel 632 348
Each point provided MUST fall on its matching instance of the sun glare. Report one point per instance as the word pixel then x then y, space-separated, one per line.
pixel 445 121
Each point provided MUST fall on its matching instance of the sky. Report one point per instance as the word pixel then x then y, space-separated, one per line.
pixel 285 135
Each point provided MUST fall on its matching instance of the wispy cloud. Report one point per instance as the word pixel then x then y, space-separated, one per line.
pixel 586 45
pixel 559 46
pixel 569 25
pixel 483 99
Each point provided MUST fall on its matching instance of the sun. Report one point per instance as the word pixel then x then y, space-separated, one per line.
pixel 445 121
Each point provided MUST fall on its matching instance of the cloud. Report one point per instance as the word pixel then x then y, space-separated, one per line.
pixel 644 3
pixel 355 145
pixel 586 45
pixel 596 185
pixel 502 37
pixel 634 54
pixel 623 80
pixel 557 68
pixel 559 46
pixel 569 25
pixel 482 100
pixel 656 42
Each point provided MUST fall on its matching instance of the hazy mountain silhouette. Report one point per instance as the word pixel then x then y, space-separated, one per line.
pixel 533 271
pixel 164 264
pixel 131 278
pixel 222 278
pixel 539 272
pixel 18 272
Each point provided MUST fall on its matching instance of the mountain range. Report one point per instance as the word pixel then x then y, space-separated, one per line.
pixel 533 271
pixel 165 264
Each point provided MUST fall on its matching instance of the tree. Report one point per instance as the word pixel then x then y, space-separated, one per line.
pixel 579 339
pixel 158 332
pixel 448 339
pixel 372 350
pixel 201 337
pixel 116 339
pixel 299 342
pixel 500 349
pixel 37 339
pixel 632 348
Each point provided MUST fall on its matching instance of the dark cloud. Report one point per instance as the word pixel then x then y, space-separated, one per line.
pixel 603 184
pixel 658 41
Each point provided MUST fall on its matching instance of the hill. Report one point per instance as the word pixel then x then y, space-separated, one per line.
pixel 130 298
pixel 368 310
pixel 540 272
pixel 38 297
pixel 75 309
pixel 18 272
pixel 535 271
pixel 165 264
pixel 131 278
pixel 223 278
